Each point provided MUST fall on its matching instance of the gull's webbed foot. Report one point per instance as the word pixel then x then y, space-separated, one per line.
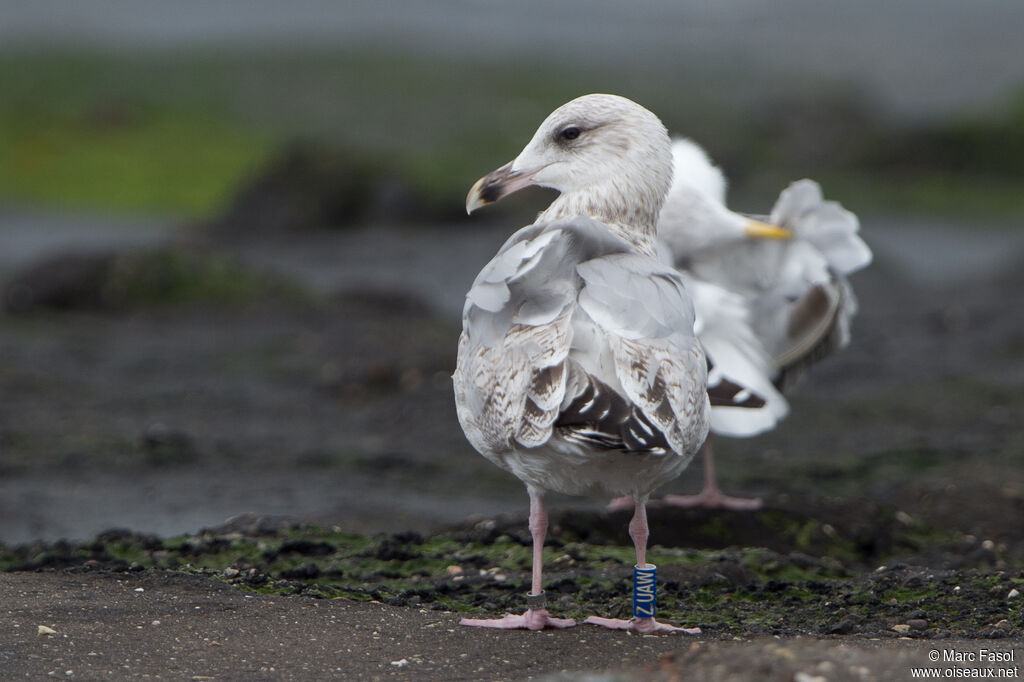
pixel 533 619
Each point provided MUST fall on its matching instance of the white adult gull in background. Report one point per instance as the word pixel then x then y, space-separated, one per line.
pixel 578 368
pixel 794 293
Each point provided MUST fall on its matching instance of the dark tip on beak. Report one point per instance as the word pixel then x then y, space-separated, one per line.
pixel 497 184
pixel 490 192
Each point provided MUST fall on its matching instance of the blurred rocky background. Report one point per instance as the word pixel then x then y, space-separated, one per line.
pixel 233 247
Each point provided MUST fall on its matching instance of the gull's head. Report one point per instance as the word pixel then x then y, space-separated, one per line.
pixel 599 150
pixel 693 169
pixel 694 217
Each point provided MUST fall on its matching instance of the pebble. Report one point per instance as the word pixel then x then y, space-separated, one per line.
pixel 918 624
pixel 44 630
pixel 1014 593
pixel 805 677
pixel 785 653
pixel 902 628
pixel 843 627
pixel 860 671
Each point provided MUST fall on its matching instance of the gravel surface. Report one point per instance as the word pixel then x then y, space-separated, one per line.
pixel 159 625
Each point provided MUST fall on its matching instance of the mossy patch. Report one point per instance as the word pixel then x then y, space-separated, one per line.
pixel 481 570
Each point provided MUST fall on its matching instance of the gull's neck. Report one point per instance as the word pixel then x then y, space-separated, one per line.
pixel 693 223
pixel 635 221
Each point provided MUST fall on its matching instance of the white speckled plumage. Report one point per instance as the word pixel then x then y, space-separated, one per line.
pixel 578 295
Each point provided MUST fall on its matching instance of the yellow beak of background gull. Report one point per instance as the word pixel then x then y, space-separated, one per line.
pixel 758 230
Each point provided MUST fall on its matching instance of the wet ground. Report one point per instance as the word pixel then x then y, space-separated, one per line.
pixel 332 406
pixel 167 417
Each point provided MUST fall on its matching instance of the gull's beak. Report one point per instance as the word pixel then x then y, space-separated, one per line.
pixel 755 229
pixel 496 184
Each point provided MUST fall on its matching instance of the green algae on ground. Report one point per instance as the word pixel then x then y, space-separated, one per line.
pixel 485 570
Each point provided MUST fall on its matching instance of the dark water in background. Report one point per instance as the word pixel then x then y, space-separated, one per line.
pixel 913 58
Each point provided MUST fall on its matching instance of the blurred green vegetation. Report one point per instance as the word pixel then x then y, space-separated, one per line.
pixel 164 276
pixel 178 132
pixel 89 131
pixel 178 162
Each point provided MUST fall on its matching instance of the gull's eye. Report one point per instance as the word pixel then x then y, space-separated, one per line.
pixel 569 133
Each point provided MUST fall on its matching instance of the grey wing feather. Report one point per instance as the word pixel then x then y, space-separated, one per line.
pixel 510 376
pixel 815 320
pixel 740 360
pixel 648 317
pixel 828 309
pixel 806 316
pixel 828 226
pixel 549 284
pixel 801 301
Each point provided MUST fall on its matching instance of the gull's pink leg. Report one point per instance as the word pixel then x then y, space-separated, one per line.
pixel 536 616
pixel 638 530
pixel 711 497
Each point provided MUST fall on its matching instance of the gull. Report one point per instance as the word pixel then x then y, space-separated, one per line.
pixel 790 282
pixel 578 367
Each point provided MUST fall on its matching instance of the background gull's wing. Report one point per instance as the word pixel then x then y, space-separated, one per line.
pixel 737 356
pixel 829 227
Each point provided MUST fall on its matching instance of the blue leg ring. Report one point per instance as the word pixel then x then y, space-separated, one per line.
pixel 645 600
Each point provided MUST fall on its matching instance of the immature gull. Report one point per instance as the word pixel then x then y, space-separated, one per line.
pixel 578 367
pixel 796 291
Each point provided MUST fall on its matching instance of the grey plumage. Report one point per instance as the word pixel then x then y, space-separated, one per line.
pixel 568 314
pixel 796 297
